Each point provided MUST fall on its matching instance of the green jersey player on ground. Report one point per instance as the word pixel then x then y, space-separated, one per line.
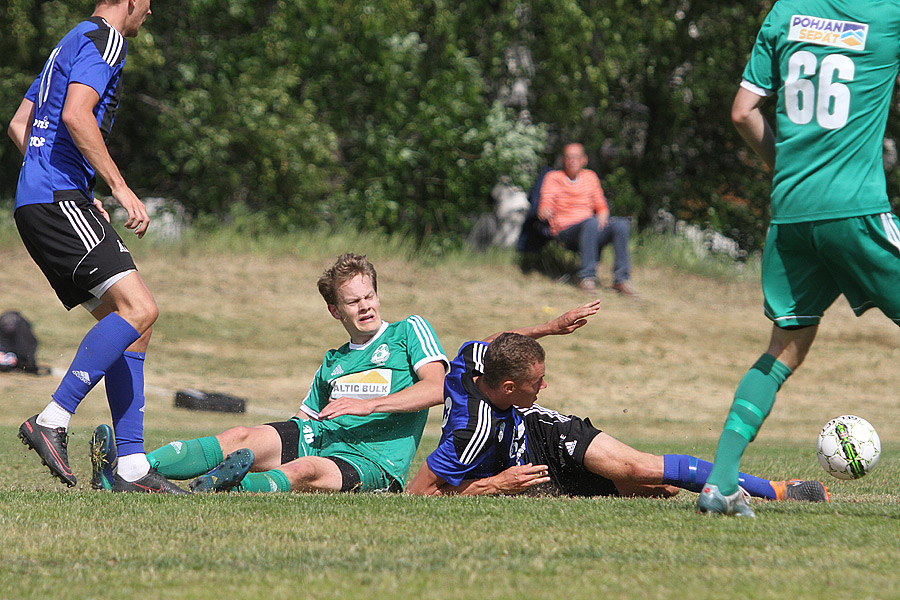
pixel 832 65
pixel 360 424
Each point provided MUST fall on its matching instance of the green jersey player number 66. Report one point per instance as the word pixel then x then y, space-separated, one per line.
pixel 830 104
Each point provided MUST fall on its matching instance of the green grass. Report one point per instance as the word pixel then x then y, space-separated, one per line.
pixel 678 254
pixel 240 314
pixel 85 544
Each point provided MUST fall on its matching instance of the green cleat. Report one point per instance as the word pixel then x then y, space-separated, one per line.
pixel 104 458
pixel 227 474
pixel 711 500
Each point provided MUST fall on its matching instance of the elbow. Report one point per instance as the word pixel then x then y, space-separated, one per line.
pixel 742 116
pixel 436 394
pixel 69 118
pixel 16 132
pixel 739 117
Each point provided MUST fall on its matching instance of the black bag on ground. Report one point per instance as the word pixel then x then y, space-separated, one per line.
pixel 18 346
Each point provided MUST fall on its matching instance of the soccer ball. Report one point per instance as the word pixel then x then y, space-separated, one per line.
pixel 848 447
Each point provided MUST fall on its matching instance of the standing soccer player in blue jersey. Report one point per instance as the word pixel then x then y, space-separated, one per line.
pixel 61 128
pixel 832 65
pixel 495 438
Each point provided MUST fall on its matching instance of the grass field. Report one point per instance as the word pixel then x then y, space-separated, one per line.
pixel 657 372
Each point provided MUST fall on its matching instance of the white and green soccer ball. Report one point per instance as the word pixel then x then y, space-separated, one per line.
pixel 848 447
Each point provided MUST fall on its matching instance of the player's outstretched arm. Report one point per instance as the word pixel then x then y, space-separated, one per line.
pixel 561 325
pixel 20 126
pixel 425 393
pixel 78 117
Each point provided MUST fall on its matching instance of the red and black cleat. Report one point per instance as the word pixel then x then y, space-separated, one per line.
pixel 50 444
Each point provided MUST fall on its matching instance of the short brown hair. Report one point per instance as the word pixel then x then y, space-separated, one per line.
pixel 346 267
pixel 510 357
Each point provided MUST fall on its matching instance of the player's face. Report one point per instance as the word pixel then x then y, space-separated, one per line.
pixel 358 309
pixel 138 12
pixel 526 391
pixel 574 159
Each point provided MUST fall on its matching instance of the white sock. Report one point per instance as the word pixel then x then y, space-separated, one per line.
pixel 133 466
pixel 54 416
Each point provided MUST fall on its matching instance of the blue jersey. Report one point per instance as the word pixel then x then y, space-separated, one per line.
pixel 477 439
pixel 93 54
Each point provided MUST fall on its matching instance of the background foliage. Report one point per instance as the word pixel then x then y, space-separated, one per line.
pixel 400 116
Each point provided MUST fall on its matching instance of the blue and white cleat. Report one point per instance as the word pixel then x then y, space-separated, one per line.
pixel 104 458
pixel 711 500
pixel 229 473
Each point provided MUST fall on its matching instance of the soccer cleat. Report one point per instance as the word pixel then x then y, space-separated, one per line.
pixel 805 491
pixel 711 500
pixel 153 483
pixel 104 458
pixel 50 444
pixel 227 474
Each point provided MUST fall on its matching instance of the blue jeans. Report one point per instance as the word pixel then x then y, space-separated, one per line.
pixel 588 240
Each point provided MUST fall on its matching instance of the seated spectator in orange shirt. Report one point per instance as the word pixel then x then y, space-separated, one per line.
pixel 573 203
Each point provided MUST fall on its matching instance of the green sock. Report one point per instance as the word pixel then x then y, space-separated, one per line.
pixel 186 460
pixel 269 481
pixel 753 400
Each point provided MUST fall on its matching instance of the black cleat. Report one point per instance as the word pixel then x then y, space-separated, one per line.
pixel 104 458
pixel 227 474
pixel 805 491
pixel 152 483
pixel 50 444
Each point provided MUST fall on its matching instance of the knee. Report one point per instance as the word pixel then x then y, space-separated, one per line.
pixel 300 471
pixel 147 314
pixel 620 227
pixel 236 435
pixel 142 315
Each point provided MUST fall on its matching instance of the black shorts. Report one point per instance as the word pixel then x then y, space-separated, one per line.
pixel 560 442
pixel 75 247
pixel 290 443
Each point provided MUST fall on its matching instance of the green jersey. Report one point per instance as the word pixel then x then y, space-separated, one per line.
pixel 833 64
pixel 384 365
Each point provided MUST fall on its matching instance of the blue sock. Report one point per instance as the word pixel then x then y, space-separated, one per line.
pixel 690 473
pixel 101 347
pixel 125 392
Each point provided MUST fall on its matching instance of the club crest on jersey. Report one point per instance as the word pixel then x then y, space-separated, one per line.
pixel 501 430
pixel 381 354
pixel 828 32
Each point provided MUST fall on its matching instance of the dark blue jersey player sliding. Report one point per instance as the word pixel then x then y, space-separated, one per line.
pixel 496 440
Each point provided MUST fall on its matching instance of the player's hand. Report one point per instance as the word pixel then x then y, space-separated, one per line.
pixel 138 219
pixel 574 319
pixel 346 406
pixel 516 480
pixel 99 206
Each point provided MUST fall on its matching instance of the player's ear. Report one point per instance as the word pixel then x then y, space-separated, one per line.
pixel 508 386
pixel 335 312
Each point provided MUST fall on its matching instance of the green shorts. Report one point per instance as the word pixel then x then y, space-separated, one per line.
pixel 319 439
pixel 806 266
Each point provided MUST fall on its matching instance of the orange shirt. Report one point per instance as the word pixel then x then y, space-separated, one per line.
pixel 565 202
